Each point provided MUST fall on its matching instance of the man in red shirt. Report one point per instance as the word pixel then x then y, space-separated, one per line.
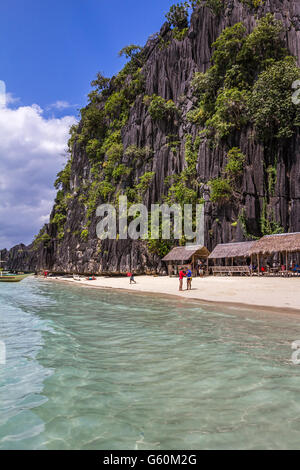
pixel 181 276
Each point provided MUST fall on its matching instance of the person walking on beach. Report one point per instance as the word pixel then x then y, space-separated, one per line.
pixel 131 275
pixel 189 279
pixel 181 276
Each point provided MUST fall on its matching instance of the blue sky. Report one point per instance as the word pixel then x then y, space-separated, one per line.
pixel 50 52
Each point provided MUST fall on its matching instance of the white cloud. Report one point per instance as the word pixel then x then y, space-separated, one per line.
pixel 60 105
pixel 6 98
pixel 32 151
pixel 2 94
pixel 11 99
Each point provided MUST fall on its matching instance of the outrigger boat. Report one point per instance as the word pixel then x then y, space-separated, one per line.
pixel 9 277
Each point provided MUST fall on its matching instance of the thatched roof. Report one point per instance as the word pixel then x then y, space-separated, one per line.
pixel 185 253
pixel 284 242
pixel 232 250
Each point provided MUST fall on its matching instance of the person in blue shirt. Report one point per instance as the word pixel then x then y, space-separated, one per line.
pixel 189 279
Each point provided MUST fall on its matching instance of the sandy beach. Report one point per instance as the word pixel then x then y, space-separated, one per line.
pixel 268 292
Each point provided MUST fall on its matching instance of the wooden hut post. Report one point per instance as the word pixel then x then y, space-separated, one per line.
pixel 258 266
pixel 286 264
pixel 251 265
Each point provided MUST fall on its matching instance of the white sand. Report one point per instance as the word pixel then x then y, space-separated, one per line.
pixel 272 292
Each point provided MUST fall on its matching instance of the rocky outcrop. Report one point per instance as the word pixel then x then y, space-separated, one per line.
pixel 21 258
pixel 169 71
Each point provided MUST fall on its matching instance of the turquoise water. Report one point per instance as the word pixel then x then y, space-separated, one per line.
pixel 91 369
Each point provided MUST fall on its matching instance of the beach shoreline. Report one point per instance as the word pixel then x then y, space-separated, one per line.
pixel 268 294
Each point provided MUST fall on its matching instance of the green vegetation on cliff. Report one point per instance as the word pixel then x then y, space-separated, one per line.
pixel 223 188
pixel 247 87
pixel 245 70
pixel 43 238
pixel 159 108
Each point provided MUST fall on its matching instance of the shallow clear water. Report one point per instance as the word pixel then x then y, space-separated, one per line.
pixel 92 369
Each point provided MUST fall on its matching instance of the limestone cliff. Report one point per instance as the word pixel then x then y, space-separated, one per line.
pixel 108 161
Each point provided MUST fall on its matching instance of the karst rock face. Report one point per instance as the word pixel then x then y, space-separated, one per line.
pixel 169 71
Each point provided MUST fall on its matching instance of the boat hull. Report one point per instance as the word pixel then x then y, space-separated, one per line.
pixel 13 277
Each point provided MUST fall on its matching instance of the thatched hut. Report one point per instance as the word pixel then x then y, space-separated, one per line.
pixel 279 243
pixel 283 243
pixel 228 252
pixel 185 256
pixel 232 250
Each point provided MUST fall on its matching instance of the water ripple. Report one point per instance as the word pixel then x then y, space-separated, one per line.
pixel 89 369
